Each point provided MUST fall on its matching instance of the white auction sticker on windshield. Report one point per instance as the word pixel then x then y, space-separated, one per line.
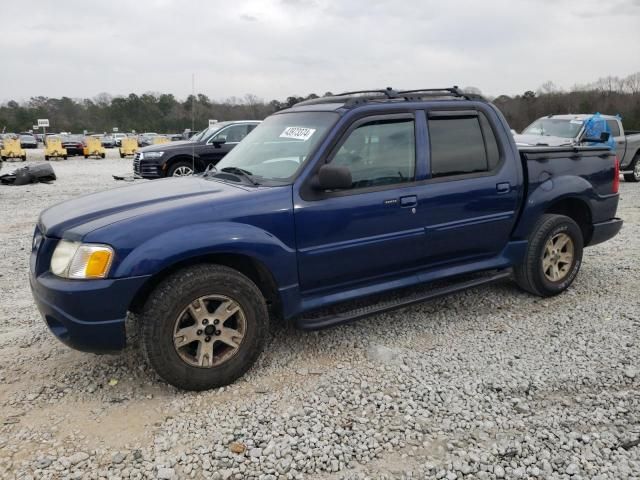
pixel 299 133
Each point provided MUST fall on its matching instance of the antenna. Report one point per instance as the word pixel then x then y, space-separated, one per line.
pixel 193 121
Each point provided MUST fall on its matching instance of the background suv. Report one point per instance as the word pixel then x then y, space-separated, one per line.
pixel 177 159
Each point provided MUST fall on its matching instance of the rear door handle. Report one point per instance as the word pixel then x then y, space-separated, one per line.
pixel 503 187
pixel 409 201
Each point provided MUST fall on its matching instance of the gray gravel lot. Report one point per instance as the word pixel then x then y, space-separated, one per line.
pixel 489 383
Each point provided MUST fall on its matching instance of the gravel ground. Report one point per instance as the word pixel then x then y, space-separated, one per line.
pixel 489 383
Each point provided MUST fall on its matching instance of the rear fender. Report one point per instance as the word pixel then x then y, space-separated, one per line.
pixel 549 192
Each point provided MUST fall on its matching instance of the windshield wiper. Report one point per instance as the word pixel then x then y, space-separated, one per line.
pixel 241 173
pixel 210 170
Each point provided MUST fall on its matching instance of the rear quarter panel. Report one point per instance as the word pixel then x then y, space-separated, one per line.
pixel 553 175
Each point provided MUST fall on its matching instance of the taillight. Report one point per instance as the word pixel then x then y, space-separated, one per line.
pixel 616 175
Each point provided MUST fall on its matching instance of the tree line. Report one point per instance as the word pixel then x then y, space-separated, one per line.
pixel 164 113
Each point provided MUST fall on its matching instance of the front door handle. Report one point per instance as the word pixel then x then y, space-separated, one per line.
pixel 503 187
pixel 409 201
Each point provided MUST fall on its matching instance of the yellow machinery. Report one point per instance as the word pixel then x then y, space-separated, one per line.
pixel 128 146
pixel 54 149
pixel 93 148
pixel 159 139
pixel 11 149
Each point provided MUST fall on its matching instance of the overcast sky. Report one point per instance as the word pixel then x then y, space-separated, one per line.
pixel 275 48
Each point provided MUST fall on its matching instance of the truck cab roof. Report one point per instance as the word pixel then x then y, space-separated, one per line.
pixel 346 101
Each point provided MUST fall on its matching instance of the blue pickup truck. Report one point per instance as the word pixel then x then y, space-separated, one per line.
pixel 319 213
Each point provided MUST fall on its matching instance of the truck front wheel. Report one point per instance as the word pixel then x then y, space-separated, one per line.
pixel 553 256
pixel 182 168
pixel 203 327
pixel 634 175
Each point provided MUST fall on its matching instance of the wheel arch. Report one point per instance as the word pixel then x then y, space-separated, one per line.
pixel 576 209
pixel 249 266
pixel 180 158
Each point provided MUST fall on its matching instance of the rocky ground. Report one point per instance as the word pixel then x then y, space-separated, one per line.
pixel 489 383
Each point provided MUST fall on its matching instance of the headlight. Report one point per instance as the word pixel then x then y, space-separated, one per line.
pixel 152 155
pixel 80 261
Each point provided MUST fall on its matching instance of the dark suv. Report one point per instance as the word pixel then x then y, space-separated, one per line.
pixel 178 159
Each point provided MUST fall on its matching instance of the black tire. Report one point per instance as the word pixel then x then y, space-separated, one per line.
pixel 64 157
pixel 179 164
pixel 530 275
pixel 121 155
pixel 24 158
pixel 46 157
pixel 634 175
pixel 102 155
pixel 177 292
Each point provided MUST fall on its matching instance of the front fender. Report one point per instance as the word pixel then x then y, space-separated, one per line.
pixel 549 192
pixel 177 245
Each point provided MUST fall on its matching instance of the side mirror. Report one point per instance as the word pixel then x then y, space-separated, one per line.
pixel 219 141
pixel 331 177
pixel 604 138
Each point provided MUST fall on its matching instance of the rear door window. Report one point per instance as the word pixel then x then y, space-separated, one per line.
pixel 614 127
pixel 461 144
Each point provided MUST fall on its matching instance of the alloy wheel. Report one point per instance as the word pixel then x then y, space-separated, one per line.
pixel 209 331
pixel 558 257
pixel 183 171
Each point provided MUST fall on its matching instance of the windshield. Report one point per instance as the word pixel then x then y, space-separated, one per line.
pixel 277 147
pixel 27 137
pixel 555 127
pixel 204 134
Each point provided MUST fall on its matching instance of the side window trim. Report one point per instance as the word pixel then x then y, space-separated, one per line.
pixel 451 114
pixel 499 145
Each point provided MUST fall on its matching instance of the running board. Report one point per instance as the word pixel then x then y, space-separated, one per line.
pixel 322 319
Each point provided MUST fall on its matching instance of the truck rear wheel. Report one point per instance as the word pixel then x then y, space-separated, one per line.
pixel 203 327
pixel 553 256
pixel 634 175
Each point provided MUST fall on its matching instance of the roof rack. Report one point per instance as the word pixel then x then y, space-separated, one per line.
pixel 389 94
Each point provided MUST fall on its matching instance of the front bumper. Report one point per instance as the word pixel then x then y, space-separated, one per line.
pixel 146 168
pixel 87 315
pixel 605 230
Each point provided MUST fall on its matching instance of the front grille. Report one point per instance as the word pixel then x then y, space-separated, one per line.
pixel 144 169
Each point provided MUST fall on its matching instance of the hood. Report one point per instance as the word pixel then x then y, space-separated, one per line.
pixel 163 147
pixel 75 218
pixel 542 140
